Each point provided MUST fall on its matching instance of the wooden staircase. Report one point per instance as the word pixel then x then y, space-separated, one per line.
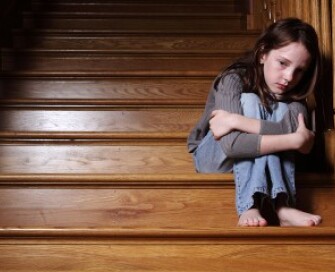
pixel 98 98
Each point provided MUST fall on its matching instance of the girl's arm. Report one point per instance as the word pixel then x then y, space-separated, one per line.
pixel 238 143
pixel 222 123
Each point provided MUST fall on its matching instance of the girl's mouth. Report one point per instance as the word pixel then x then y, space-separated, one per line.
pixel 281 86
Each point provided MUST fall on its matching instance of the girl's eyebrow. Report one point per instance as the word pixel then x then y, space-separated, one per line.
pixel 301 67
pixel 285 59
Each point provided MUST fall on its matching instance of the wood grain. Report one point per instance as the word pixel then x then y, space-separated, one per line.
pixel 92 120
pixel 121 208
pixel 209 257
pixel 140 6
pixel 134 22
pixel 145 63
pixel 132 90
pixel 92 158
pixel 139 208
pixel 168 43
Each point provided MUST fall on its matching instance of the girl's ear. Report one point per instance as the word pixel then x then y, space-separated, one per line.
pixel 261 59
pixel 261 55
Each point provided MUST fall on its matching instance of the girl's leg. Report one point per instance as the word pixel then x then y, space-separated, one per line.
pixel 209 157
pixel 250 174
pixel 281 168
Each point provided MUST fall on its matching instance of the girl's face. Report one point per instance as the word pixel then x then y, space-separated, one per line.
pixel 284 67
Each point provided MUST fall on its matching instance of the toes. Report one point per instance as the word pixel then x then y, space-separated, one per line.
pixel 317 220
pixel 262 222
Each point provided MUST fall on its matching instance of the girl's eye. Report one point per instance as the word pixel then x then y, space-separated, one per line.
pixel 282 63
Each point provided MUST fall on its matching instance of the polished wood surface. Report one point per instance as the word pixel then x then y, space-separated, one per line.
pixel 84 157
pixel 256 251
pixel 97 99
pixel 111 91
pixel 151 6
pixel 105 61
pixel 135 22
pixel 95 120
pixel 231 41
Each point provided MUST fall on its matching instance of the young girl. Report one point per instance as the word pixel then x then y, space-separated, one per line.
pixel 254 121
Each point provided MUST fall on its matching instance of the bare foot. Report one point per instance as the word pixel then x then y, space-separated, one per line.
pixel 252 218
pixel 290 217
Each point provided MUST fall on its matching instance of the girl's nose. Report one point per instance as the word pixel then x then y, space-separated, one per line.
pixel 288 76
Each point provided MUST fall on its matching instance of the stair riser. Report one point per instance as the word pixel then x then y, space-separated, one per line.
pixel 133 208
pixel 181 66
pixel 146 208
pixel 148 7
pixel 147 43
pixel 140 24
pixel 165 256
pixel 80 158
pixel 132 90
pixel 88 120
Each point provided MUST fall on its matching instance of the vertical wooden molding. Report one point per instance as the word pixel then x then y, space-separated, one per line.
pixel 333 47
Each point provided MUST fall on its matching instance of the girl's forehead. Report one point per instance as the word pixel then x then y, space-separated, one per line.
pixel 294 52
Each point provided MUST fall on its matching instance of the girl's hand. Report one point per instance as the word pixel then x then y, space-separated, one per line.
pixel 304 136
pixel 221 123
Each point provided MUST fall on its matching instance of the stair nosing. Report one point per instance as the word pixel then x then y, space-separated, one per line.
pixel 187 180
pixel 267 235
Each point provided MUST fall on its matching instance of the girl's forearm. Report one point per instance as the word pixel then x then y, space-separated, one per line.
pixel 302 140
pixel 223 122
pixel 245 124
pixel 278 143
pixel 269 143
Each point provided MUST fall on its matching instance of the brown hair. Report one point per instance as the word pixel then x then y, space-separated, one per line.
pixel 277 35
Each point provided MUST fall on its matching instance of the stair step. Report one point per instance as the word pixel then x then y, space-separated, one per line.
pixel 158 43
pixel 150 201
pixel 125 206
pixel 234 249
pixel 139 6
pixel 105 91
pixel 134 22
pixel 126 63
pixel 91 122
pixel 103 157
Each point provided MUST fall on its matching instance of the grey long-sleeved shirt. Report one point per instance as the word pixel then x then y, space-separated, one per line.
pixel 225 94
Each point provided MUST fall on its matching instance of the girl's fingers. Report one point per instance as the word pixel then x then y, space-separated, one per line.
pixel 213 113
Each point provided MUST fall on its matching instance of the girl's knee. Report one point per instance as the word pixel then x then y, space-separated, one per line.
pixel 250 99
pixel 251 105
